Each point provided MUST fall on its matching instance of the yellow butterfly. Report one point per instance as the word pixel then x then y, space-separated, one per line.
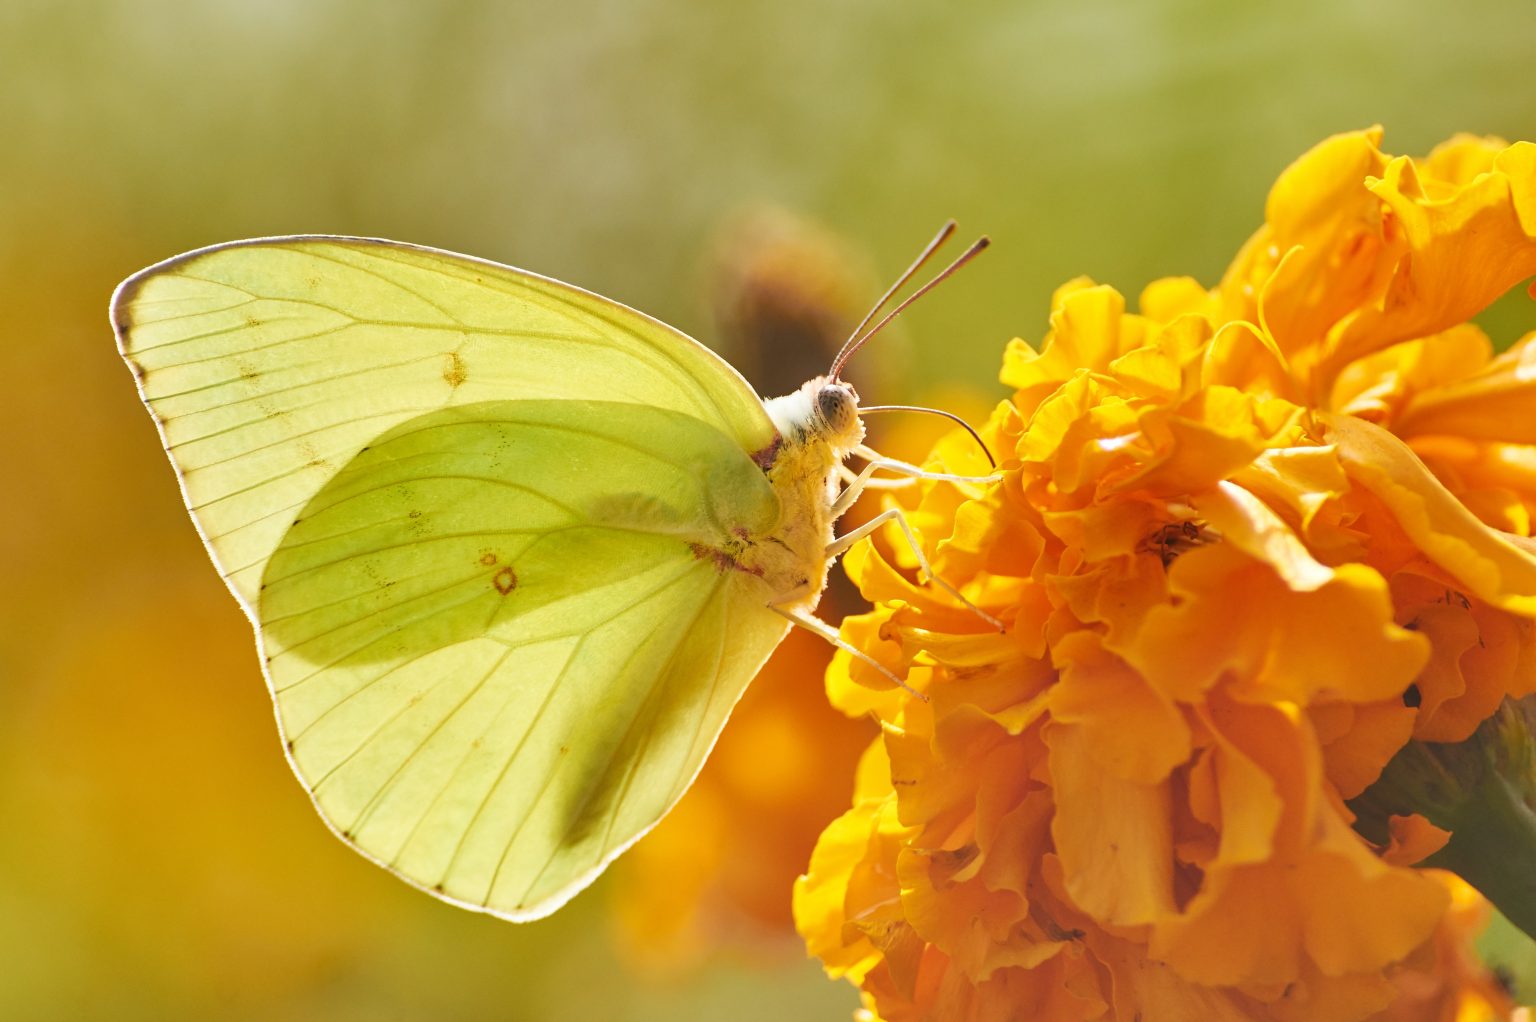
pixel 512 551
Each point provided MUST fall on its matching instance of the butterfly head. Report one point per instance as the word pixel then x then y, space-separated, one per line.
pixel 837 411
pixel 822 411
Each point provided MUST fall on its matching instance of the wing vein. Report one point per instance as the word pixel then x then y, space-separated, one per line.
pixel 645 712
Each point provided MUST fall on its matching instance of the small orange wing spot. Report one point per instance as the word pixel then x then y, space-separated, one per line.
pixel 455 373
pixel 505 580
pixel 488 559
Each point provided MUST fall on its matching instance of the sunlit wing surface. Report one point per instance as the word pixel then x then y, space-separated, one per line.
pixel 468 510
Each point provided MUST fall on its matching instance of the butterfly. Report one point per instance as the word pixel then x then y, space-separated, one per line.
pixel 512 551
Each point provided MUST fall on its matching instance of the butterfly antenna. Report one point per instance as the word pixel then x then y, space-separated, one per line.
pixel 951 416
pixel 917 264
pixel 857 340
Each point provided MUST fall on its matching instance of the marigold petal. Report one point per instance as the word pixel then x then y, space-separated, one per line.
pixel 1117 594
pixel 1110 529
pixel 821 896
pixel 1311 193
pixel 1323 231
pixel 1360 913
pixel 1414 839
pixel 985 538
pixel 1197 446
pixel 1234 613
pixel 1233 792
pixel 1493 404
pixel 1165 300
pixel 1374 733
pixel 1244 356
pixel 1147 989
pixel 1089 330
pixel 1321 891
pixel 1463 157
pixel 1496 481
pixel 1247 523
pixel 1018 841
pixel 1487 562
pixel 1380 386
pixel 1216 942
pixel 1132 730
pixel 1304 485
pixel 1068 432
pixel 1481 655
pixel 1313 997
pixel 1114 837
pixel 1065 988
pixel 929 792
pixel 981 929
pixel 1463 248
pixel 882 584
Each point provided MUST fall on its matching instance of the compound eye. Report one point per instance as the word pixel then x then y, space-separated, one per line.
pixel 836 404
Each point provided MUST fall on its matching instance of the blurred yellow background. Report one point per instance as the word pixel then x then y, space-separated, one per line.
pixel 157 859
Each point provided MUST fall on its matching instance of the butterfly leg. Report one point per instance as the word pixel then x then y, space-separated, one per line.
pixel 816 626
pixel 859 483
pixel 894 514
pixel 849 476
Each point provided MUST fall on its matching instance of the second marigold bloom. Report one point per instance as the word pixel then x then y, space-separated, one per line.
pixel 1248 543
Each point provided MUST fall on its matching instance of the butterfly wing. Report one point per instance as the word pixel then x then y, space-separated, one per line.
pixel 268 364
pixel 497 636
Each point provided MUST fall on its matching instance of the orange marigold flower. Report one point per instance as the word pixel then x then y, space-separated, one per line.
pixel 1248 542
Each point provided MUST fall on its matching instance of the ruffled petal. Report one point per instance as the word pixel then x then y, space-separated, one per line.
pixel 1463 244
pixel 1114 837
pixel 1488 563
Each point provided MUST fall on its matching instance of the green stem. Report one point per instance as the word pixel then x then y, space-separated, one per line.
pixel 1483 791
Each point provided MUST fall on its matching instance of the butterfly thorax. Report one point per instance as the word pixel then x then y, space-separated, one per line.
pixel 818 425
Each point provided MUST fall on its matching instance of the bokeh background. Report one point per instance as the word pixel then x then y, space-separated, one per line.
pixel 728 167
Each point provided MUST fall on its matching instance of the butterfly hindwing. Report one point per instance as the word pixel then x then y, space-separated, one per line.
pixel 495 648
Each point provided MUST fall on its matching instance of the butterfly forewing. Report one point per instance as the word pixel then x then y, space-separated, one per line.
pixel 471 513
pixel 269 364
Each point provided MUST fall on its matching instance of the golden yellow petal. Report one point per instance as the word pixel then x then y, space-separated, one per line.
pixel 820 895
pixel 1413 839
pixel 1130 730
pixel 1494 404
pixel 1235 614
pixel 1113 836
pixel 1486 562
pixel 1360 913
pixel 1376 732
pixel 1216 942
pixel 1462 248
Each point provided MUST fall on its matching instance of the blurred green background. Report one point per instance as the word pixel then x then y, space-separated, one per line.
pixel 157 860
